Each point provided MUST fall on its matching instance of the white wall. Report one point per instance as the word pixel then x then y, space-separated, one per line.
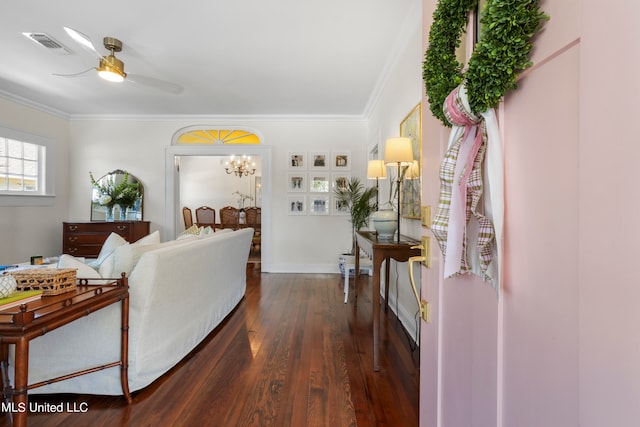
pixel 400 94
pixel 300 243
pixel 204 182
pixel 36 230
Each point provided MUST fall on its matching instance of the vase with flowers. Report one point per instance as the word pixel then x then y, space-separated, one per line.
pixel 109 193
pixel 242 198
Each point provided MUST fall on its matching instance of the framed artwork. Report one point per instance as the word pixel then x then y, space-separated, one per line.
pixel 318 183
pixel 411 127
pixel 341 160
pixel 297 160
pixel 319 205
pixel 319 161
pixel 339 180
pixel 373 152
pixel 297 205
pixel 338 207
pixel 297 182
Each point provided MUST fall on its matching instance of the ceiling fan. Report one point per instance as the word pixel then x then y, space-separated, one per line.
pixel 111 68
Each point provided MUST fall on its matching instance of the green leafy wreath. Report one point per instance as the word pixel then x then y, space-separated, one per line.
pixel 501 53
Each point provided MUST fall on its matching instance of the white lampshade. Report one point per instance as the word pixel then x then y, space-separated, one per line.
pixel 376 169
pixel 398 151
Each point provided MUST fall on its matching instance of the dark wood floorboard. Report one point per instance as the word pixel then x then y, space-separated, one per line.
pixel 291 354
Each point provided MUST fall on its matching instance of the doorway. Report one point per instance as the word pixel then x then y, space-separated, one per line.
pixel 177 156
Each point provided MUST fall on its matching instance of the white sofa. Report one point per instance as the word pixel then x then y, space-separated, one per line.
pixel 179 292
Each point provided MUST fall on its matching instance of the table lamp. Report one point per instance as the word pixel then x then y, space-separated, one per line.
pixel 398 151
pixel 376 169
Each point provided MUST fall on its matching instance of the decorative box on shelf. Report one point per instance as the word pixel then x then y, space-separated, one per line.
pixel 51 281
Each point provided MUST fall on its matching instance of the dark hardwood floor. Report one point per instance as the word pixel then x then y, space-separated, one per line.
pixel 291 354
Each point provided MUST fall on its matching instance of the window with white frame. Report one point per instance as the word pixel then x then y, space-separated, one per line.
pixel 26 168
pixel 20 166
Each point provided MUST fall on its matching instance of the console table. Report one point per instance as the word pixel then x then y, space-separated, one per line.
pixel 20 325
pixel 85 238
pixel 382 250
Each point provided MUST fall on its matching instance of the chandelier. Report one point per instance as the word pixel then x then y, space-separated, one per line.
pixel 240 167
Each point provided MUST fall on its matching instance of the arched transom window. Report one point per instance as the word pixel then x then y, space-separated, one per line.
pixel 200 136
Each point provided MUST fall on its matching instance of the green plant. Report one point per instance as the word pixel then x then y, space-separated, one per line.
pixel 359 202
pixel 110 193
pixel 129 195
pixel 499 56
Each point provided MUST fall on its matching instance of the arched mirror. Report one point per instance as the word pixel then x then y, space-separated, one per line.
pixel 116 196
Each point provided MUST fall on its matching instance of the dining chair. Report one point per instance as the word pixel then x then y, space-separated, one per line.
pixel 188 217
pixel 206 217
pixel 229 217
pixel 253 218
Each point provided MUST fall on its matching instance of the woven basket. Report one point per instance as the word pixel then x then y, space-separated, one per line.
pixel 51 281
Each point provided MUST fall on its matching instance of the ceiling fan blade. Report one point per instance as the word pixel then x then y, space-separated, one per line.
pixel 81 73
pixel 156 83
pixel 83 40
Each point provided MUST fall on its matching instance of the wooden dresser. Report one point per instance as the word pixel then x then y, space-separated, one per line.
pixel 85 238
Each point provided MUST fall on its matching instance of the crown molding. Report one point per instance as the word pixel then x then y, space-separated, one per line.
pixel 184 117
pixel 8 96
pixel 224 118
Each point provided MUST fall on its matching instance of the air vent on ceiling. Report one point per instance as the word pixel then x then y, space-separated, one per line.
pixel 51 44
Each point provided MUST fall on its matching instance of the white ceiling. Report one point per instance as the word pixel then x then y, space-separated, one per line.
pixel 234 57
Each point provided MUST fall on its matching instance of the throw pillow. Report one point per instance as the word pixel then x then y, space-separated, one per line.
pixel 84 271
pixel 149 239
pixel 113 241
pixel 106 267
pixel 192 230
pixel 205 231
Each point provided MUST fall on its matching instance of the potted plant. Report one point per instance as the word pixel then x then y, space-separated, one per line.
pixel 359 202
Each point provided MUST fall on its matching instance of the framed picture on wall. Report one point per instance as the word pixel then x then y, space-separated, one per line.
pixel 297 205
pixel 341 160
pixel 319 205
pixel 297 182
pixel 339 180
pixel 338 207
pixel 319 161
pixel 411 127
pixel 318 183
pixel 297 160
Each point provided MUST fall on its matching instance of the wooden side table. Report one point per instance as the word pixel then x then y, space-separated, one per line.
pixel 381 250
pixel 20 325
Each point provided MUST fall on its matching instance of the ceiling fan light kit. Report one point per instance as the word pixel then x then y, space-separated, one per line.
pixel 111 68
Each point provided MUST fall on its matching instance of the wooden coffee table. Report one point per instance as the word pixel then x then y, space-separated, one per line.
pixel 20 325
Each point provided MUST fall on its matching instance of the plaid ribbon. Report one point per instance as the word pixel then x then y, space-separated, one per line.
pixel 461 189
